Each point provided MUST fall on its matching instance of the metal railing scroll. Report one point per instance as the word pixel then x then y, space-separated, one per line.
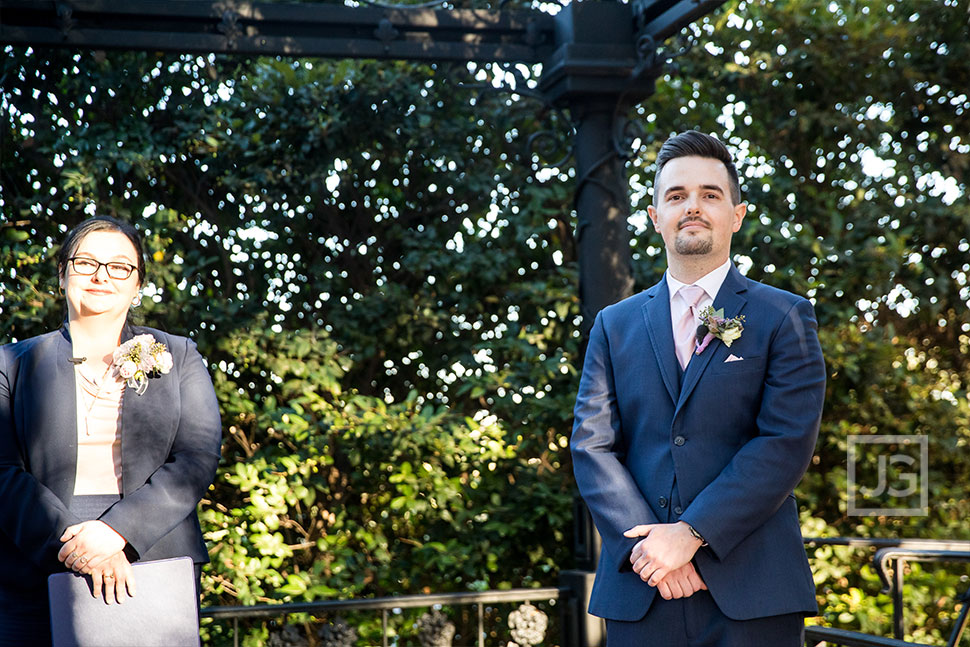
pixel 889 562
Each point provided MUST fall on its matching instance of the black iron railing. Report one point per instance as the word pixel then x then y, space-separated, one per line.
pixel 889 561
pixel 831 637
pixel 567 603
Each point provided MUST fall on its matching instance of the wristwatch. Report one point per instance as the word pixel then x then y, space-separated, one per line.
pixel 696 535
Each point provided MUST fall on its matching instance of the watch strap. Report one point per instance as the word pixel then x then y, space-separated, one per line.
pixel 697 535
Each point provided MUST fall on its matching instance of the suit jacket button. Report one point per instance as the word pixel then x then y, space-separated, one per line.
pixel 678 510
pixel 663 502
pixel 679 440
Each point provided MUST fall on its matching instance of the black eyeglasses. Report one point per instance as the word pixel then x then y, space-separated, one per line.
pixel 88 266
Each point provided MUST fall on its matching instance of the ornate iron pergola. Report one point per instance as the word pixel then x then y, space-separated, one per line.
pixel 598 60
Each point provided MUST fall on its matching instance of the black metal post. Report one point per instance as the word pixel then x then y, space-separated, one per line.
pixel 569 620
pixel 602 209
pixel 584 630
pixel 897 595
pixel 592 75
pixel 592 71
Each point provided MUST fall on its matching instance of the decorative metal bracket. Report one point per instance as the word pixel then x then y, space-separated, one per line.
pixel 230 28
pixel 385 33
pixel 542 143
pixel 65 19
pixel 652 59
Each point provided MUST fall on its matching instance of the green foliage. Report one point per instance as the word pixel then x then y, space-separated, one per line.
pixel 387 297
pixel 344 495
pixel 392 343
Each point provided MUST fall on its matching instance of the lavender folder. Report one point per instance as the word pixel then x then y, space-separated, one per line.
pixel 163 613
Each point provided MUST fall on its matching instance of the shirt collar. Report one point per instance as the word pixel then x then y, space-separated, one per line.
pixel 711 282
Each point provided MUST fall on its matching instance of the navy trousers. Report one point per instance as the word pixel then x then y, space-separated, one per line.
pixel 698 622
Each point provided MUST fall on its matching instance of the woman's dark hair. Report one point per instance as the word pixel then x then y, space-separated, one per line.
pixel 99 223
pixel 692 143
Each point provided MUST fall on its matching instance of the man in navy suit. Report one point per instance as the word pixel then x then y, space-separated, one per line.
pixel 686 447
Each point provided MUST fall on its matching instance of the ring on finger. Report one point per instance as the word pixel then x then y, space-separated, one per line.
pixel 73 554
pixel 83 559
pixel 109 576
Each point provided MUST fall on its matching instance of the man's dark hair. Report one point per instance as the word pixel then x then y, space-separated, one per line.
pixel 99 223
pixel 692 143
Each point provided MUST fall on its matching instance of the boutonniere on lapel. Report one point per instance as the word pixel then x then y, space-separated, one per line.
pixel 714 325
pixel 139 358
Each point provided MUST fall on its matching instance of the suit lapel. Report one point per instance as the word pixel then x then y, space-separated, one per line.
pixel 731 298
pixel 656 316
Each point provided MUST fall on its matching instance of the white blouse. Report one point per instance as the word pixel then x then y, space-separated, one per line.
pixel 98 431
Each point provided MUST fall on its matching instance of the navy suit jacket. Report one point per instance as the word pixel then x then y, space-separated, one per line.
pixel 734 438
pixel 170 448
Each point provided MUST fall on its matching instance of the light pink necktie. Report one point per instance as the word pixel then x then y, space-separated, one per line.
pixel 685 334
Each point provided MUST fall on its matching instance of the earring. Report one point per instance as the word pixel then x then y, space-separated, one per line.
pixel 136 300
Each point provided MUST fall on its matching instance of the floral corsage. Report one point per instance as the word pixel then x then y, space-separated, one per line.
pixel 714 325
pixel 140 357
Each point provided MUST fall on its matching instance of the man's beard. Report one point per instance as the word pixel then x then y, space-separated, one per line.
pixel 693 245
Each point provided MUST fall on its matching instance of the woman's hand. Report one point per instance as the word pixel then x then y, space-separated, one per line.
pixel 87 545
pixel 113 578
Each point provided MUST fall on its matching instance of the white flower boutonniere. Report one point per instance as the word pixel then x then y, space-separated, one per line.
pixel 139 358
pixel 714 325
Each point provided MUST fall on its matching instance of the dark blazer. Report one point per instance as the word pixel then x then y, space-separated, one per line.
pixel 170 448
pixel 735 437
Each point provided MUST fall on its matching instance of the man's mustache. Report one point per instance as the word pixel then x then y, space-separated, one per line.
pixel 687 219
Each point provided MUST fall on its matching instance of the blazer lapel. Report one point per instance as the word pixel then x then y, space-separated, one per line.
pixel 55 425
pixel 142 418
pixel 731 298
pixel 656 316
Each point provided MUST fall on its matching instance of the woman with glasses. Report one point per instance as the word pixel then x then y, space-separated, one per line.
pixel 109 437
